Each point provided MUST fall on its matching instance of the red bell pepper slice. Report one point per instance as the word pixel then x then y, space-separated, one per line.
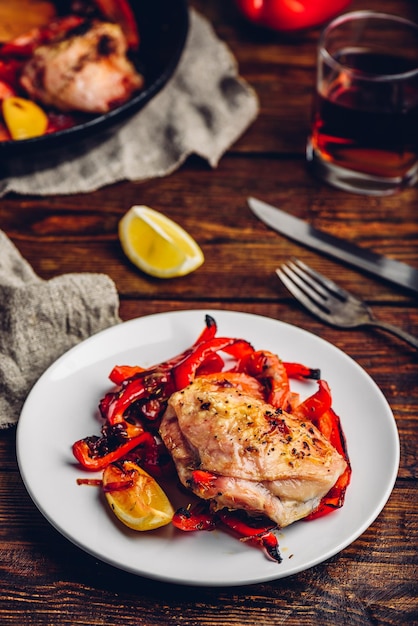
pixel 146 385
pixel 91 482
pixel 203 479
pixel 198 517
pixel 122 400
pixel 208 332
pixel 334 499
pixel 206 335
pixel 213 364
pixel 185 371
pixel 328 423
pixel 154 385
pixel 257 530
pixel 316 405
pixel 82 452
pixel 120 373
pixel 270 371
pixel 6 91
pixel 297 370
pixel 120 485
pixel 151 454
pixel 58 121
pixel 4 133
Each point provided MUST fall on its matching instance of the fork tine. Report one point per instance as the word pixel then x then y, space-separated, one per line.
pixel 306 296
pixel 300 274
pixel 322 280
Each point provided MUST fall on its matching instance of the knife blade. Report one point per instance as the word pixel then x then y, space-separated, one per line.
pixel 298 230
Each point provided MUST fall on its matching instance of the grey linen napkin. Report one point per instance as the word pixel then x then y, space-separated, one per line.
pixel 42 319
pixel 202 110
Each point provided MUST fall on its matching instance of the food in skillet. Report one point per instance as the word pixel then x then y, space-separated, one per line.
pixel 222 419
pixel 85 70
pixel 76 64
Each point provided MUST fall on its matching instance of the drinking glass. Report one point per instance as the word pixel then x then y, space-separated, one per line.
pixel 364 135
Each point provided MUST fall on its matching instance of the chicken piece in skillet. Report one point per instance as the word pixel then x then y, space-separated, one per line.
pixel 232 448
pixel 85 70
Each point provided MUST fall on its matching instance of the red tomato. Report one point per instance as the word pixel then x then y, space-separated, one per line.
pixel 290 15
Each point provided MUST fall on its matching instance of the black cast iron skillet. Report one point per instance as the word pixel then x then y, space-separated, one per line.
pixel 163 27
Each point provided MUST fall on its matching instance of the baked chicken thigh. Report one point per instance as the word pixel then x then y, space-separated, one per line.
pixel 233 449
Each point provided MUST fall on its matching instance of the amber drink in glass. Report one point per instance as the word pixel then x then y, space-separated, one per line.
pixel 364 135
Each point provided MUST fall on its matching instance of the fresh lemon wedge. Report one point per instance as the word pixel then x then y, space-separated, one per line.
pixel 157 245
pixel 135 497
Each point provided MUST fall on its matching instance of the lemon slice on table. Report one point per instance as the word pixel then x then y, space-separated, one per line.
pixel 135 497
pixel 157 245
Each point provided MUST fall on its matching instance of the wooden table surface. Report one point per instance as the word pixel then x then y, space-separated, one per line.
pixel 47 580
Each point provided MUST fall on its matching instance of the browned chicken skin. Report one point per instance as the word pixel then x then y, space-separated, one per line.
pixel 85 71
pixel 264 460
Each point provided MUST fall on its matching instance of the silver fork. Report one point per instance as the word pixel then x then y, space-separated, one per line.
pixel 331 303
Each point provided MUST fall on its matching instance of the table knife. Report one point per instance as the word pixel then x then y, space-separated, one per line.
pixel 393 271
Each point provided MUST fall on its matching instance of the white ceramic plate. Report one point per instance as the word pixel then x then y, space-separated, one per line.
pixel 62 408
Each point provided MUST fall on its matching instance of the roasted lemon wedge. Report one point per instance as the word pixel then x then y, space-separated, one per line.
pixel 135 497
pixel 157 245
pixel 24 118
